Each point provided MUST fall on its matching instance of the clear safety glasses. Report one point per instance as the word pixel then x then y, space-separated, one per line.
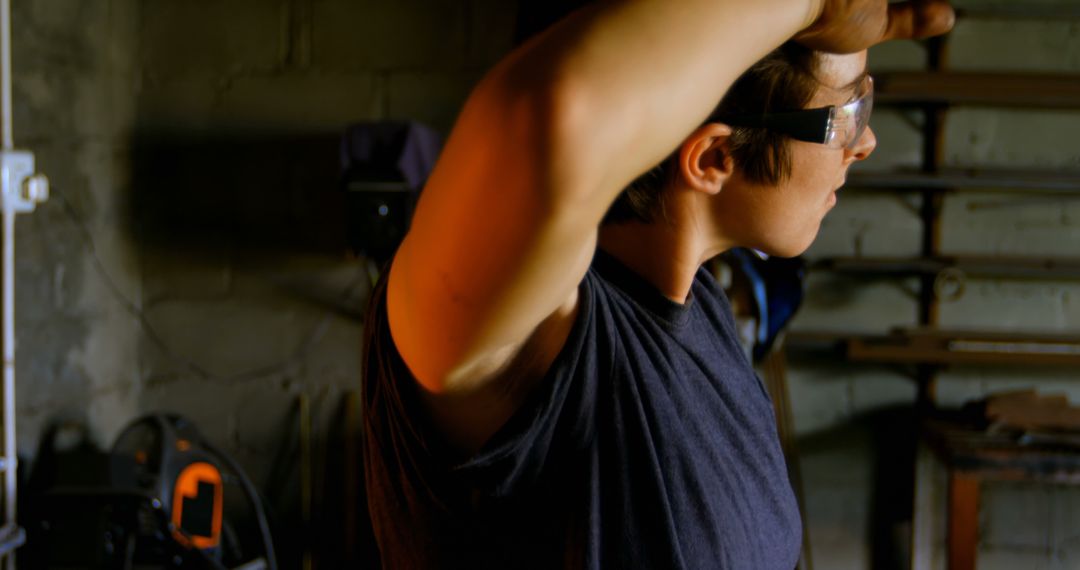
pixel 837 126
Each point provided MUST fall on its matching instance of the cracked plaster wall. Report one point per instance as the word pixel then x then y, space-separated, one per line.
pixel 118 314
pixel 251 321
pixel 74 76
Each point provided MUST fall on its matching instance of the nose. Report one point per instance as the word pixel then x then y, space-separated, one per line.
pixel 865 145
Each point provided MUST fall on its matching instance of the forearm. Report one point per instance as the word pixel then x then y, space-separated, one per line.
pixel 629 79
pixel 507 223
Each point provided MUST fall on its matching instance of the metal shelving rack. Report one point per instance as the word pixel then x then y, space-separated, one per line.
pixel 926 348
pixel 935 91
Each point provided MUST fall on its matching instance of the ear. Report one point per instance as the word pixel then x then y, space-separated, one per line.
pixel 704 161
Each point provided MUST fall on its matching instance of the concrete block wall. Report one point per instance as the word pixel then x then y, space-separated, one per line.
pixel 313 65
pixel 74 91
pixel 115 319
pixel 251 329
pixel 244 327
pixel 1022 526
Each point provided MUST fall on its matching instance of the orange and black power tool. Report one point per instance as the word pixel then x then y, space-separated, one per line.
pixel 182 473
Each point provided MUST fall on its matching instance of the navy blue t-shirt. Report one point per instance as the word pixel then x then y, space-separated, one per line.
pixel 649 444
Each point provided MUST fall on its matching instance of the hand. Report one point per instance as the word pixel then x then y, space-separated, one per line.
pixel 848 26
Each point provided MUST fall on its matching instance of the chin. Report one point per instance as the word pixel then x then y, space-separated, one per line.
pixel 786 252
pixel 794 248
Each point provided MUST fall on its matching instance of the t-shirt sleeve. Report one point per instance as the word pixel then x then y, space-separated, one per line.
pixel 555 422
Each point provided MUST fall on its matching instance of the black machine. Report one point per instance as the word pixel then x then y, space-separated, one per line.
pixel 384 165
pixel 160 505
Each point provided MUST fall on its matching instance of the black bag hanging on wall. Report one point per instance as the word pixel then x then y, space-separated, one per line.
pixel 384 166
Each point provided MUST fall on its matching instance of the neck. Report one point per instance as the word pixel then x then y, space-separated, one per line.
pixel 669 251
pixel 659 252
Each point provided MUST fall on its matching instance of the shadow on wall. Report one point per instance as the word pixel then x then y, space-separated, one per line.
pixel 832 463
pixel 270 193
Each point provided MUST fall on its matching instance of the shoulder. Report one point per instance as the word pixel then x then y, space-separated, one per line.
pixel 465 421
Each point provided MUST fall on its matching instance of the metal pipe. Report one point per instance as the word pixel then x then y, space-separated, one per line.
pixel 305 478
pixel 5 74
pixel 10 456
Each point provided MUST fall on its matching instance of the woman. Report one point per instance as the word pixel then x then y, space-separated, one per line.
pixel 551 379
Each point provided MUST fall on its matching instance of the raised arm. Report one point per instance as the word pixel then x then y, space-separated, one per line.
pixel 507 224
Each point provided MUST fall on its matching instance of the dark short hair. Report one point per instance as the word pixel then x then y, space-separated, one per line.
pixel 785 79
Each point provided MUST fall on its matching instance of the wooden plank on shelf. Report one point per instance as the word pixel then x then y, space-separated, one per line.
pixel 1047 337
pixel 979 266
pixel 1033 90
pixel 967 179
pixel 820 341
pixel 1029 411
pixel 1015 349
pixel 943 347
pixel 1001 454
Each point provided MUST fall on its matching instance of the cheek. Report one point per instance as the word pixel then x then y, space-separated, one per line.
pixel 790 217
pixel 743 211
pixel 817 170
pixel 782 220
pixel 768 218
